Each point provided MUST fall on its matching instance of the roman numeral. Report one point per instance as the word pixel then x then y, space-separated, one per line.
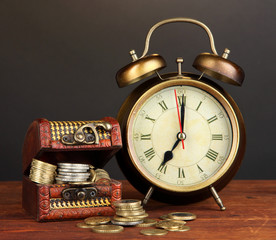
pixel 163 105
pixel 180 100
pixel 198 106
pixel 145 137
pixel 151 119
pixel 211 154
pixel 181 173
pixel 199 169
pixel 217 137
pixel 150 153
pixel 162 168
pixel 212 119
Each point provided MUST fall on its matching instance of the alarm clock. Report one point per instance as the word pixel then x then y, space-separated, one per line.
pixel 183 135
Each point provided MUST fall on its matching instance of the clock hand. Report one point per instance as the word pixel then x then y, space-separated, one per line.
pixel 181 135
pixel 182 113
pixel 182 116
pixel 169 154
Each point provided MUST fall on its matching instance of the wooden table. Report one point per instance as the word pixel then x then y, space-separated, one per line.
pixel 250 214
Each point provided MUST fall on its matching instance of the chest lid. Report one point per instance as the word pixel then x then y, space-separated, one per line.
pixel 93 142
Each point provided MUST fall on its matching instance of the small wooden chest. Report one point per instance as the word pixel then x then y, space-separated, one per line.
pixel 89 142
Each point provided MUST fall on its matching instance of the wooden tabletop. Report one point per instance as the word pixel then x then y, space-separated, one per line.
pixel 250 214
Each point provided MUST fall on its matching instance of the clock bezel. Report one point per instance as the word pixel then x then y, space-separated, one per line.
pixel 137 99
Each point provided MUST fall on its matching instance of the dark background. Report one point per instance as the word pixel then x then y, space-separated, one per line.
pixel 58 60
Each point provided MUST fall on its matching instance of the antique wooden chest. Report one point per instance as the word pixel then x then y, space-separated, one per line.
pixel 84 142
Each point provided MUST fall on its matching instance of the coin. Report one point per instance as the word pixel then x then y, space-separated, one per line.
pixel 84 225
pixel 129 208
pixel 139 216
pixel 169 224
pixel 130 213
pixel 165 217
pixel 179 229
pixel 126 223
pixel 154 232
pixel 97 220
pixel 64 179
pixel 127 202
pixel 73 174
pixel 73 165
pixel 107 229
pixel 72 170
pixel 186 216
pixel 126 219
pixel 147 222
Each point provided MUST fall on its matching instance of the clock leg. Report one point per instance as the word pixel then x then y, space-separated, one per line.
pixel 217 198
pixel 148 195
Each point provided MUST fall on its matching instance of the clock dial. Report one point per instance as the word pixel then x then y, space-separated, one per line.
pixel 155 138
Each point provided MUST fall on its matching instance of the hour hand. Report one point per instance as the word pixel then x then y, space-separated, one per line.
pixel 169 154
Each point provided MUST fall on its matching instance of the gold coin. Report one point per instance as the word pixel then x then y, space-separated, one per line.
pixel 97 220
pixel 165 217
pixel 180 229
pixel 126 213
pixel 186 216
pixel 124 219
pixel 147 222
pixel 154 232
pixel 170 224
pixel 127 202
pixel 84 225
pixel 139 216
pixel 107 229
pixel 129 208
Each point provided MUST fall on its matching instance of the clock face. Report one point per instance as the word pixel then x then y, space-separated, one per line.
pixel 194 159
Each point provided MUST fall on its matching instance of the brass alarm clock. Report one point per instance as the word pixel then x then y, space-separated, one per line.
pixel 183 135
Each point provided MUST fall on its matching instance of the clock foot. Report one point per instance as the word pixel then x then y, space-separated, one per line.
pixel 217 198
pixel 147 197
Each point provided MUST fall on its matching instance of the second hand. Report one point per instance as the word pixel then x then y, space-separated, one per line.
pixel 178 113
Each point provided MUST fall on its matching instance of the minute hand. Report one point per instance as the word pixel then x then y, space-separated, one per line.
pixel 182 110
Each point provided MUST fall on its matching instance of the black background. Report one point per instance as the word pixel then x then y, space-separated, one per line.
pixel 58 60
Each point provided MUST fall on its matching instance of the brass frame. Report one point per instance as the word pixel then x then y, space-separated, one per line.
pixel 132 168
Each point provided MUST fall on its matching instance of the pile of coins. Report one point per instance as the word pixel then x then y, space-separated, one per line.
pixel 72 172
pixel 41 172
pixel 129 212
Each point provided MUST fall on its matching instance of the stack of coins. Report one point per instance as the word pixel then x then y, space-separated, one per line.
pixel 73 173
pixel 129 212
pixel 41 172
